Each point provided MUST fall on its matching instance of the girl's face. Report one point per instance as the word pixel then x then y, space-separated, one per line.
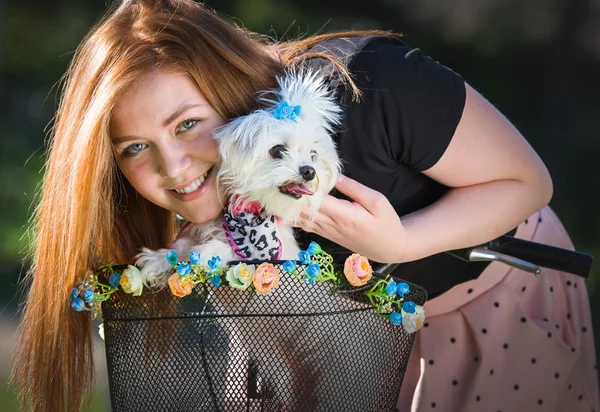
pixel 162 133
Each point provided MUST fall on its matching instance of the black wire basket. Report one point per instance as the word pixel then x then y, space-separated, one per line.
pixel 304 347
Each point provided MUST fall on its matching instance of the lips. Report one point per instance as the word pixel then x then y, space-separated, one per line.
pixel 194 185
pixel 295 190
pixel 194 189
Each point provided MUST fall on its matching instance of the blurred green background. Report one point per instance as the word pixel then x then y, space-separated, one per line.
pixel 538 61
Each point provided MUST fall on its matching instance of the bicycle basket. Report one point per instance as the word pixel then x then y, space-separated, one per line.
pixel 303 347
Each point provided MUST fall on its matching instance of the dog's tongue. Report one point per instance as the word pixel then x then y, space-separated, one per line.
pixel 300 189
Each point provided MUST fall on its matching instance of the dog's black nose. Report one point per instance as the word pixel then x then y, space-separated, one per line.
pixel 307 172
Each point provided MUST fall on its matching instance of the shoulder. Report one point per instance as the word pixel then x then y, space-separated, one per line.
pixel 409 102
pixel 389 63
pixel 366 49
pixel 379 63
pixel 380 49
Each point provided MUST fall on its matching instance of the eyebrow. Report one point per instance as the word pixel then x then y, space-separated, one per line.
pixel 169 120
pixel 178 112
pixel 119 140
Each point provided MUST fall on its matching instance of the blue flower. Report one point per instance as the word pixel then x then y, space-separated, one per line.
pixel 194 257
pixel 409 307
pixel 172 257
pixel 184 269
pixel 313 248
pixel 289 266
pixel 304 257
pixel 402 289
pixel 114 280
pixel 74 294
pixel 396 318
pixel 287 112
pixel 216 281
pixel 313 270
pixel 214 263
pixel 88 295
pixel 390 289
pixel 78 305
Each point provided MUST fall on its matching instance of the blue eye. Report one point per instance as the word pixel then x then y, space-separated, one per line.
pixel 134 149
pixel 186 125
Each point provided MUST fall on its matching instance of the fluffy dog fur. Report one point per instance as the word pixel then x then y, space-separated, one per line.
pixel 251 172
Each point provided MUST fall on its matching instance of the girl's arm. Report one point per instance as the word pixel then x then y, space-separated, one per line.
pixel 497 181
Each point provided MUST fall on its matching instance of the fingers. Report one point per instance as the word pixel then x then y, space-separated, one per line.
pixel 334 207
pixel 332 213
pixel 320 220
pixel 307 225
pixel 320 224
pixel 335 212
pixel 302 222
pixel 368 198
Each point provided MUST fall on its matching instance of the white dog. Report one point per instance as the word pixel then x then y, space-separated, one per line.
pixel 276 162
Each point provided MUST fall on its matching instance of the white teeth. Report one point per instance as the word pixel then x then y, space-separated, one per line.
pixel 195 184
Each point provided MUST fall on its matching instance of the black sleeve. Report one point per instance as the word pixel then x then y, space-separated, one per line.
pixel 410 107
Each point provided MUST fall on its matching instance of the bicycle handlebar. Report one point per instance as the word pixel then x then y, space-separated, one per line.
pixel 522 254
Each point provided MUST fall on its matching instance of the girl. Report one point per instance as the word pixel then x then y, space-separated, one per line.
pixel 430 166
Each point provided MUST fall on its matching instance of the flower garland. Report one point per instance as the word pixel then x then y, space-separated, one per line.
pixel 385 295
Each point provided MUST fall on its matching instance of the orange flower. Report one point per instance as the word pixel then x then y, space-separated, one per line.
pixel 266 277
pixel 357 269
pixel 179 287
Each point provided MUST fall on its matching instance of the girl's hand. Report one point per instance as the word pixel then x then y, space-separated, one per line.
pixel 368 225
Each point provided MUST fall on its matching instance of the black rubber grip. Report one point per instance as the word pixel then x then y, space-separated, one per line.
pixel 564 260
pixel 551 257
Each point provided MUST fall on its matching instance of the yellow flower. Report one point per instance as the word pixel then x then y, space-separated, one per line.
pixel 131 281
pixel 266 277
pixel 180 287
pixel 357 270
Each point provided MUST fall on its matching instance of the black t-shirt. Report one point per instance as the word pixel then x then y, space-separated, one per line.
pixel 409 110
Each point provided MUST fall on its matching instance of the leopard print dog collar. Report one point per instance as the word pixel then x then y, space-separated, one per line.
pixel 252 234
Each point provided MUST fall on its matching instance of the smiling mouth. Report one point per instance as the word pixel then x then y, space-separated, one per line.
pixel 194 185
pixel 295 190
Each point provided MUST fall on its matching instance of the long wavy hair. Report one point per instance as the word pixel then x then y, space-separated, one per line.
pixel 88 214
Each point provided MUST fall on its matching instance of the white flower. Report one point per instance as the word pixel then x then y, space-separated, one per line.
pixel 412 322
pixel 240 276
pixel 101 330
pixel 131 281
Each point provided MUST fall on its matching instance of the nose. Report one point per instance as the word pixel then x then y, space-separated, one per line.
pixel 307 173
pixel 173 160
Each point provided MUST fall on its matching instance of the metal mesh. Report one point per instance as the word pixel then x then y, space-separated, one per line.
pixel 301 348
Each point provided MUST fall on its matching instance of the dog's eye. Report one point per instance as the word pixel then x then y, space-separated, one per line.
pixel 313 155
pixel 277 151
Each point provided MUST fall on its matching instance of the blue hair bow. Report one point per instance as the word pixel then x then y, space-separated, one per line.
pixel 287 112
